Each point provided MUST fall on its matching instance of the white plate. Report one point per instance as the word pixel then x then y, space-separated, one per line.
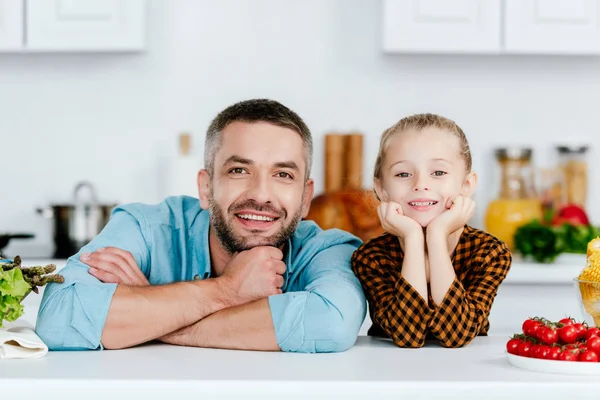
pixel 554 366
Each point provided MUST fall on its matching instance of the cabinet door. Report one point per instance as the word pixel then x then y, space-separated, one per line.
pixel 442 26
pixel 552 26
pixel 85 25
pixel 11 24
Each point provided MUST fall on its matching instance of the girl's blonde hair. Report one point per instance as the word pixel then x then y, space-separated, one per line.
pixel 419 122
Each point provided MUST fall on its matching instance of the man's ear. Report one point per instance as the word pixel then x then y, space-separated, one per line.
pixel 309 191
pixel 469 184
pixel 203 188
pixel 380 191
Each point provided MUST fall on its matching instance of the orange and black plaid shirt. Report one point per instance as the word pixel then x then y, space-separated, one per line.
pixel 398 311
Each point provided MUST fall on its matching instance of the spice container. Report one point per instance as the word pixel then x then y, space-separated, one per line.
pixel 516 203
pixel 551 188
pixel 574 166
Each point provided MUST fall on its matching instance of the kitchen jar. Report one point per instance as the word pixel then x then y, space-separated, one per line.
pixel 516 202
pixel 574 165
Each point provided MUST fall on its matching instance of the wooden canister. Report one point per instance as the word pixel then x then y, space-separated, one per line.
pixel 354 161
pixel 334 162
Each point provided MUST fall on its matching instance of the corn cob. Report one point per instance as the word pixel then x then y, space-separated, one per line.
pixel 590 288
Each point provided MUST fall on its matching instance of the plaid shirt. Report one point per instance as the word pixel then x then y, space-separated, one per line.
pixel 397 310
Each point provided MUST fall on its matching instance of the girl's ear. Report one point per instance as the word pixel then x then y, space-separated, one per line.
pixel 380 191
pixel 469 184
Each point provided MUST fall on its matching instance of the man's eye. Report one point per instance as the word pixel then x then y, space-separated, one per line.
pixel 284 175
pixel 237 171
pixel 439 173
pixel 403 175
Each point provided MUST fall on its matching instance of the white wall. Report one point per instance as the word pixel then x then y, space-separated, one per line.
pixel 110 118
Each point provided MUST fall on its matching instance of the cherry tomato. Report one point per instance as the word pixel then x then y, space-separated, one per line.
pixel 591 332
pixel 588 356
pixel 548 335
pixel 581 329
pixel 568 334
pixel 543 352
pixel 553 353
pixel 512 346
pixel 567 321
pixel 568 355
pixel 593 344
pixel 530 326
pixel 534 351
pixel 524 349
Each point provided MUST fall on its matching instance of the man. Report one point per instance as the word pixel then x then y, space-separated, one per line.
pixel 237 269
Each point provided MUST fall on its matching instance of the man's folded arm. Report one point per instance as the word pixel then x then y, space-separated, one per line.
pixel 84 313
pixel 327 315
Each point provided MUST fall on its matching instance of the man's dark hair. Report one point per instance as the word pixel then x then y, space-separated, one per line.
pixel 255 110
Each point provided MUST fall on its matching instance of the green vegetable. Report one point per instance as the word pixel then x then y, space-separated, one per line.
pixel 12 289
pixel 544 243
pixel 17 282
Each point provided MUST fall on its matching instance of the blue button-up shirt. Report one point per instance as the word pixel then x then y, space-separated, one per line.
pixel 321 309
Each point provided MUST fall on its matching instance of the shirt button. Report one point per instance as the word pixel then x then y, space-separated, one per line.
pixel 196 277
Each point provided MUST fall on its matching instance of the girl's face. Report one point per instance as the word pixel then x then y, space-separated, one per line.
pixel 421 171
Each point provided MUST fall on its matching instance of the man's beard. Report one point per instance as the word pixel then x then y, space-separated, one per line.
pixel 234 243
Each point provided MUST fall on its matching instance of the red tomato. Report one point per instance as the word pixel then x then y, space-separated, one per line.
pixel 534 351
pixel 568 355
pixel 553 353
pixel 548 335
pixel 588 356
pixel 567 321
pixel 524 349
pixel 568 334
pixel 593 344
pixel 543 352
pixel 512 346
pixel 581 329
pixel 530 326
pixel 591 332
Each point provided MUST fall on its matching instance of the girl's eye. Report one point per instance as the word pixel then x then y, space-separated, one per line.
pixel 284 175
pixel 403 175
pixel 237 171
pixel 439 173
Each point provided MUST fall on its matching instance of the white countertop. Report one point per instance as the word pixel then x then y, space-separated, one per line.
pixel 373 367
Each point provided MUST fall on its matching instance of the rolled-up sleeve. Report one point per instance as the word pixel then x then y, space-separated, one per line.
pixel 327 315
pixel 72 314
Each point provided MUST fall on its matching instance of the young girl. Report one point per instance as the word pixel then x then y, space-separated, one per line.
pixel 430 276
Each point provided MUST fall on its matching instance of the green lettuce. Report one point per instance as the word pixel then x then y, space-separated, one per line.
pixel 13 288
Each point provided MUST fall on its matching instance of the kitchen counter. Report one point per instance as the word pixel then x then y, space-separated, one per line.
pixel 373 368
pixel 566 268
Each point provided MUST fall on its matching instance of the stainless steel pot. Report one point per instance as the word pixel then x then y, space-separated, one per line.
pixel 77 224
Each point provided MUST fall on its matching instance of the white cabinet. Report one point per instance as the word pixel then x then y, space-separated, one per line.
pixel 85 25
pixel 552 26
pixel 11 24
pixel 491 26
pixel 442 26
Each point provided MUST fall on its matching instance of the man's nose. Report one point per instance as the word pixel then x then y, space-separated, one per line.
pixel 260 189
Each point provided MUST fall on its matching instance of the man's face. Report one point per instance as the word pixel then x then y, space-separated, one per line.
pixel 258 193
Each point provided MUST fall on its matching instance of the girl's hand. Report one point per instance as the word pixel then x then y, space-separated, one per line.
pixel 460 210
pixel 395 222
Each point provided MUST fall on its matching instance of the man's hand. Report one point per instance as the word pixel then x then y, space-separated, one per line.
pixel 395 222
pixel 253 274
pixel 460 209
pixel 113 265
